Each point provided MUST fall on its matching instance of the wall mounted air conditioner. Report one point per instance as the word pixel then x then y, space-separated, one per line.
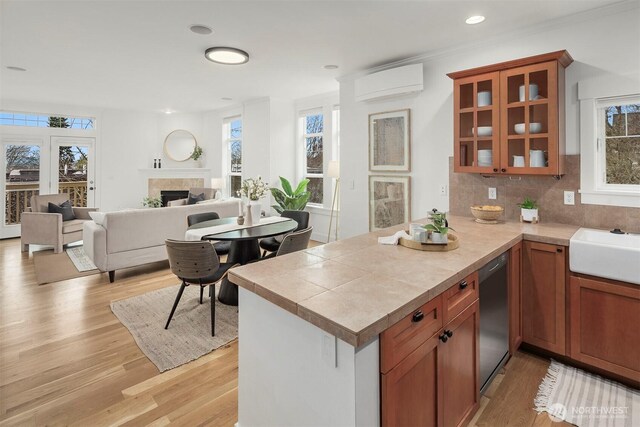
pixel 387 83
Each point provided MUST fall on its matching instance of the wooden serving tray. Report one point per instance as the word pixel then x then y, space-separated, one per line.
pixel 454 243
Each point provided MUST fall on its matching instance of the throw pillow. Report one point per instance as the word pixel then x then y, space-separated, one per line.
pixel 99 218
pixel 193 199
pixel 64 208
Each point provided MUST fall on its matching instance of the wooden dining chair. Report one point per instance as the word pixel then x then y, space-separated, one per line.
pixel 222 248
pixel 196 263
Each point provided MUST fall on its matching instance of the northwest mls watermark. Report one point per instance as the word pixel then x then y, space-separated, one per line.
pixel 558 412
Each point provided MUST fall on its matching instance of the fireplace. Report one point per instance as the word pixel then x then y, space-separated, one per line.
pixel 169 195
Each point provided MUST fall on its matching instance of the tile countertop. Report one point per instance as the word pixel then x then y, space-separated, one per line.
pixel 356 288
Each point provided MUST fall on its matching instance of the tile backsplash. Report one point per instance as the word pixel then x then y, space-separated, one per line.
pixel 467 189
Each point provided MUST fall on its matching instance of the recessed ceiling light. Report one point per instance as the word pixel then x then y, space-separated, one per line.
pixel 475 19
pixel 330 67
pixel 201 29
pixel 11 67
pixel 226 98
pixel 168 111
pixel 226 55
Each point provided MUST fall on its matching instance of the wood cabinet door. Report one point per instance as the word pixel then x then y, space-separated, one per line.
pixel 515 278
pixel 459 368
pixel 543 296
pixel 410 389
pixel 476 123
pixel 604 320
pixel 529 121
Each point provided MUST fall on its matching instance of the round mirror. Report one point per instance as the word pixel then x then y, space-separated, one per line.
pixel 179 145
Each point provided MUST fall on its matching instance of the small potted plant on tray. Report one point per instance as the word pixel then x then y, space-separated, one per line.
pixel 529 210
pixel 439 227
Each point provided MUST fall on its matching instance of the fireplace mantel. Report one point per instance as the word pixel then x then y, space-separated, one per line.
pixel 174 179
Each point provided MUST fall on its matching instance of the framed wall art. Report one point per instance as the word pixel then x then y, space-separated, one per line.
pixel 390 141
pixel 389 201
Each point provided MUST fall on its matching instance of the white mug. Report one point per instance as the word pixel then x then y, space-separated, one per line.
pixel 518 161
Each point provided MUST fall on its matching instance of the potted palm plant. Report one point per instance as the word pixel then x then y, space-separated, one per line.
pixel 529 210
pixel 439 227
pixel 289 199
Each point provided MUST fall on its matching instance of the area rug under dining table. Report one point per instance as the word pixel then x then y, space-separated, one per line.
pixel 189 334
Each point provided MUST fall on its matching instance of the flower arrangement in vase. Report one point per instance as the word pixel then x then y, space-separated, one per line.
pixel 253 189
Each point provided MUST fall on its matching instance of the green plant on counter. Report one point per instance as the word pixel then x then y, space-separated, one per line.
pixel 152 202
pixel 438 223
pixel 288 199
pixel 197 153
pixel 528 203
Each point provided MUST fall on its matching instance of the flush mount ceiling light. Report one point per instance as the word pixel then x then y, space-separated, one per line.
pixel 13 68
pixel 475 19
pixel 201 29
pixel 330 67
pixel 226 55
pixel 168 112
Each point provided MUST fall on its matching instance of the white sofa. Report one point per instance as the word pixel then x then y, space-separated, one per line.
pixel 130 238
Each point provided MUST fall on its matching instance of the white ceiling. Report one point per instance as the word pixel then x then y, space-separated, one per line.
pixel 141 54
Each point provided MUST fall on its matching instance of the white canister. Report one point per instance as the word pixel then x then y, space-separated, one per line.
pixel 484 98
pixel 518 161
pixel 536 159
pixel 533 92
pixel 529 215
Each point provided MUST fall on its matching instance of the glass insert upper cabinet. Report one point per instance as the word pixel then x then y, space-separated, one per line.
pixel 509 117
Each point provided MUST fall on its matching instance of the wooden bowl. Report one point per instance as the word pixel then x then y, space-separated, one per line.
pixel 487 214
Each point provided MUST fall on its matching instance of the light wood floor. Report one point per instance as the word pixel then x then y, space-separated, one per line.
pixel 66 360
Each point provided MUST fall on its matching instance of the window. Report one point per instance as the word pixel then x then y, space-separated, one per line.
pixel 313 128
pixel 233 138
pixel 609 140
pixel 618 157
pixel 45 121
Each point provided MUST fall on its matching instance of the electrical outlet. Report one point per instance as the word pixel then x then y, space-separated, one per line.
pixel 569 198
pixel 493 194
pixel 443 190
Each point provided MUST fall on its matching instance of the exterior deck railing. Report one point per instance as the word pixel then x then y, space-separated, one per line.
pixel 18 194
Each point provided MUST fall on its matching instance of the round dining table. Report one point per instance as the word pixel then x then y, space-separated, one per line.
pixel 244 246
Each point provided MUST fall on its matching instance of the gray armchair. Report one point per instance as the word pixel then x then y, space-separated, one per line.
pixel 40 227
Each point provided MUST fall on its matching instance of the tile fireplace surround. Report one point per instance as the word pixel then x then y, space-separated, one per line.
pixel 466 189
pixel 158 184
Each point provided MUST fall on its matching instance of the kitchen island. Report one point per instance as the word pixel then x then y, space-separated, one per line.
pixel 310 322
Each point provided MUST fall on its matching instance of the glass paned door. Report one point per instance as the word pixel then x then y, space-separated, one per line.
pixel 22 179
pixel 72 169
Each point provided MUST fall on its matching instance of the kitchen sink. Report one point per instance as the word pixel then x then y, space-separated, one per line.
pixel 604 254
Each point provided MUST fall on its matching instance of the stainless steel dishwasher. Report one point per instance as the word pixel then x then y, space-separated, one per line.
pixel 494 319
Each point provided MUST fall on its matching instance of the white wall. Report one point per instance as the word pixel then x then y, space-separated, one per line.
pixel 288 377
pixel 602 42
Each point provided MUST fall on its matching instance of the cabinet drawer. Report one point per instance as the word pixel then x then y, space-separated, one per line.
pixel 460 296
pixel 404 337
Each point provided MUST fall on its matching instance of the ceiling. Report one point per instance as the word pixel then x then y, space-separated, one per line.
pixel 141 54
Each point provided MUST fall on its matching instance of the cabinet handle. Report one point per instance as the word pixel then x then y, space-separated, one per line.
pixel 463 284
pixel 495 169
pixel 559 250
pixel 444 338
pixel 448 333
pixel 417 316
pixel 503 170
